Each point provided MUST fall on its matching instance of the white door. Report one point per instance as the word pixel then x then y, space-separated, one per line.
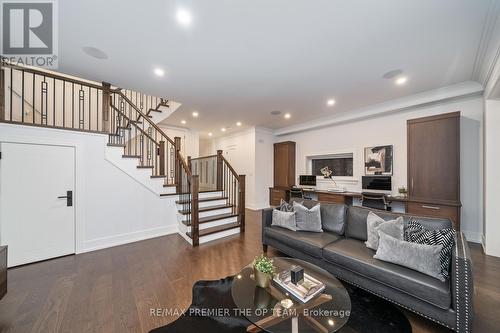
pixel 34 222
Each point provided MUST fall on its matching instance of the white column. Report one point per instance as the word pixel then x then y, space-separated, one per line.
pixel 492 177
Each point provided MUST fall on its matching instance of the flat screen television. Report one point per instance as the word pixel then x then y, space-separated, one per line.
pixel 307 180
pixel 378 183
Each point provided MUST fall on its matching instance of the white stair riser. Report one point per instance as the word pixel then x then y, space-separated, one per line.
pixel 204 204
pixel 222 234
pixel 215 223
pixel 210 194
pixel 208 213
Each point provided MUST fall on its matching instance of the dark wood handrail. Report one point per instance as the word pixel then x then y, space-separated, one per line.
pixel 119 92
pixel 229 166
pixel 184 164
pixel 135 125
pixel 52 76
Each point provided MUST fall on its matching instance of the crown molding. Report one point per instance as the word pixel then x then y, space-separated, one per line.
pixel 428 98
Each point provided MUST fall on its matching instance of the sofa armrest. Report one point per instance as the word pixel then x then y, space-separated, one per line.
pixel 267 219
pixel 461 284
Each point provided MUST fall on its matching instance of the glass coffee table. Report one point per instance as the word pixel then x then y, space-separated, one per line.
pixel 325 313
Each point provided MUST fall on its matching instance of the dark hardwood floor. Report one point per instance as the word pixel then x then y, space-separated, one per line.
pixel 113 290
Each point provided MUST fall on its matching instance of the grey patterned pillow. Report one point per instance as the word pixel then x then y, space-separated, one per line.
pixel 284 220
pixel 419 257
pixel 308 219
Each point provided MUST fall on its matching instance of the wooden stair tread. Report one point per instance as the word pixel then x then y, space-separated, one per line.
pixel 145 167
pixel 158 176
pixel 116 145
pixel 206 209
pixel 180 202
pixel 214 230
pixel 212 218
pixel 169 185
pixel 131 156
pixel 154 110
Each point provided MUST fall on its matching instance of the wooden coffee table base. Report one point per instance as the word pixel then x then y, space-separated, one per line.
pixel 297 311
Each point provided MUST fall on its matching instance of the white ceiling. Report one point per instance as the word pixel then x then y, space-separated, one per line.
pixel 239 60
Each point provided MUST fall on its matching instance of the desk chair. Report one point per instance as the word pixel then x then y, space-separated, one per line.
pixel 296 193
pixel 374 200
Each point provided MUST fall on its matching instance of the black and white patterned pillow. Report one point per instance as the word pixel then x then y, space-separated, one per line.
pixel 415 232
pixel 285 206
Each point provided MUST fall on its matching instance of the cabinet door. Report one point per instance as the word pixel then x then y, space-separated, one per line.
pixel 280 165
pixel 434 158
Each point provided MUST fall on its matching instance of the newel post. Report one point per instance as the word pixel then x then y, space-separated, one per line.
pixel 161 155
pixel 219 170
pixel 106 102
pixel 178 168
pixel 241 201
pixel 2 91
pixel 189 164
pixel 195 229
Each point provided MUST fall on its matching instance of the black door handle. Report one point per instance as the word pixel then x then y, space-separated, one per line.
pixel 68 197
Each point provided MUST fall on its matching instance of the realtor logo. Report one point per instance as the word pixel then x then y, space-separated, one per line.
pixel 29 32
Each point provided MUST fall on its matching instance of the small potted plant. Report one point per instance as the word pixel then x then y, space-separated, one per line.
pixel 263 270
pixel 403 191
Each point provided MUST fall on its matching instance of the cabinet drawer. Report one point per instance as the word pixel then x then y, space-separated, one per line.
pixel 432 210
pixel 335 198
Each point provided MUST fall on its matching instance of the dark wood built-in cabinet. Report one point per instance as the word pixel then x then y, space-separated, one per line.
pixel 434 166
pixel 284 171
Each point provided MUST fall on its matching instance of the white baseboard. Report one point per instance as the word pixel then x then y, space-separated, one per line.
pixel 474 237
pixel 106 242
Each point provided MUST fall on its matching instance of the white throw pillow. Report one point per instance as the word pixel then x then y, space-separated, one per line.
pixel 284 220
pixel 374 223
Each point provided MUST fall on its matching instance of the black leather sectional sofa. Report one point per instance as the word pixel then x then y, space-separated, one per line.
pixel 340 249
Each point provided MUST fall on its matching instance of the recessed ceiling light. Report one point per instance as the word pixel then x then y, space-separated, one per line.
pixel 288 116
pixel 94 52
pixel 210 134
pixel 183 122
pixel 401 80
pixel 159 72
pixel 223 129
pixel 330 102
pixel 184 17
pixel 195 114
pixel 238 123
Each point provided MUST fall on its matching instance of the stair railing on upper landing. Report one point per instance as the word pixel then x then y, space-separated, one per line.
pixel 215 173
pixel 29 96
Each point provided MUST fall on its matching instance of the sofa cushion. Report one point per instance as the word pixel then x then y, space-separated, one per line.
pixel 333 217
pixel 311 243
pixel 355 256
pixel 356 221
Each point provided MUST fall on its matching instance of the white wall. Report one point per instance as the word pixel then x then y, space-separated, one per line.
pixel 206 147
pixel 264 166
pixel 189 139
pixel 492 180
pixel 111 207
pixel 250 152
pixel 391 129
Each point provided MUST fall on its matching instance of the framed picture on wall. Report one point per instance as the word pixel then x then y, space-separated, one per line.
pixel 378 160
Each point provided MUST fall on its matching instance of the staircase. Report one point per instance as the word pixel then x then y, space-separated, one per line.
pixel 210 194
pixel 219 200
